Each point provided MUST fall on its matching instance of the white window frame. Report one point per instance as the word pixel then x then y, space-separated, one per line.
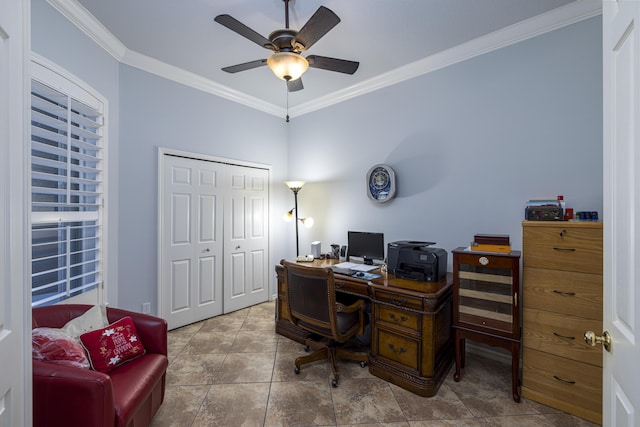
pixel 65 82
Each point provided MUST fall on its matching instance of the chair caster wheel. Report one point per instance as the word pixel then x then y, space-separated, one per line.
pixel 334 383
pixel 363 364
pixel 306 348
pixel 296 370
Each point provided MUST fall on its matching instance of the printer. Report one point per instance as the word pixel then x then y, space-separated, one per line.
pixel 416 261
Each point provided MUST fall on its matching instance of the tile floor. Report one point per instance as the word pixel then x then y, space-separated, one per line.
pixel 234 370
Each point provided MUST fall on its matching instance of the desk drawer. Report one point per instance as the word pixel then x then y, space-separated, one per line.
pixel 398 317
pixel 561 335
pixel 398 300
pixel 353 287
pixel 398 348
pixel 566 292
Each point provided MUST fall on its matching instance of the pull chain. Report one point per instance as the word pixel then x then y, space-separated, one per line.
pixel 287 118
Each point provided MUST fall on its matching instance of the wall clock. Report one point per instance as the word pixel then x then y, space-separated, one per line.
pixel 381 183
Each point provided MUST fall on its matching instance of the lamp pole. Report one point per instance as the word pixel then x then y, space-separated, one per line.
pixel 295 207
pixel 295 186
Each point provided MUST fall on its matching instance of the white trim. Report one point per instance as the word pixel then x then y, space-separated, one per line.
pixel 552 20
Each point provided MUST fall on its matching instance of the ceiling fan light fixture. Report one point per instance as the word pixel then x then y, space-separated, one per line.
pixel 287 65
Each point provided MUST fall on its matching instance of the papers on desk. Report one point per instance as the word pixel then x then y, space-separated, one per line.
pixel 356 267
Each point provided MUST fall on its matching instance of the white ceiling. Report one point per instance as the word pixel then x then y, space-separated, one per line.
pixel 392 39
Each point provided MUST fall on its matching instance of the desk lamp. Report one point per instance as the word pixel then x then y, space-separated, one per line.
pixel 295 186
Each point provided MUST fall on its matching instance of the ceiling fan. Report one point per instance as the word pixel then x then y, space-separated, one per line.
pixel 286 61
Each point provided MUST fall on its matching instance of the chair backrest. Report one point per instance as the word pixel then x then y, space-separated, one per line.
pixel 312 303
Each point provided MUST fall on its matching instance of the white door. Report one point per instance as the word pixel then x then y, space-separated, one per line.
pixel 15 347
pixel 621 57
pixel 246 261
pixel 191 240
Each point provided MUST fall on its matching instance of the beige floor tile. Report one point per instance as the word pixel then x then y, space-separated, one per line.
pixel 234 405
pixel 181 404
pixel 358 401
pixel 246 368
pixel 300 403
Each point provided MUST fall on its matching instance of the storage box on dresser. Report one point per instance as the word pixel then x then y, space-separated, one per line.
pixel 562 298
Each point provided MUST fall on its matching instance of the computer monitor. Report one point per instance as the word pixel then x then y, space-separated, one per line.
pixel 366 245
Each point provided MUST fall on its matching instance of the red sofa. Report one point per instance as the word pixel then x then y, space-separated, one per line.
pixel 129 396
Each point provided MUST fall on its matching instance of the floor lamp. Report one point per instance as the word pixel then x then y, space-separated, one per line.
pixel 295 186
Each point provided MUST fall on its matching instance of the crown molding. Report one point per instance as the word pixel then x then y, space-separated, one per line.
pixel 196 81
pixel 532 27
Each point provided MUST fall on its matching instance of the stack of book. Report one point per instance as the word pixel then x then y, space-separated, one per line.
pixel 491 243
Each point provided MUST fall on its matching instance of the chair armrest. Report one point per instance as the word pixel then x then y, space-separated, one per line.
pixel 152 330
pixel 359 305
pixel 70 396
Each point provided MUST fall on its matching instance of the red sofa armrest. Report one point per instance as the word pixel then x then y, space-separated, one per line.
pixel 152 330
pixel 70 396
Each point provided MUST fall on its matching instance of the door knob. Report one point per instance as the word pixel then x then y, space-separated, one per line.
pixel 592 339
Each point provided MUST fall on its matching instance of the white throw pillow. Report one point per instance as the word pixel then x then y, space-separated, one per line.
pixel 92 319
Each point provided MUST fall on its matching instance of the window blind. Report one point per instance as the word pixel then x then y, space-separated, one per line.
pixel 66 195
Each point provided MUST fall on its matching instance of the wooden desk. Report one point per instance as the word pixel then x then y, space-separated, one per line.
pixel 411 338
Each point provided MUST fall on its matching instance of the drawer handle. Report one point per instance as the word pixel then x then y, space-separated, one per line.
pixel 564 249
pixel 562 380
pixel 397 320
pixel 568 294
pixel 564 336
pixel 398 301
pixel 397 351
pixel 339 285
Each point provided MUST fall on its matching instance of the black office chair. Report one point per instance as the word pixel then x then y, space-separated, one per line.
pixel 313 307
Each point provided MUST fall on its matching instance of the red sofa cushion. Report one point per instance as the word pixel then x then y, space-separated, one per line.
pixel 133 385
pixel 113 345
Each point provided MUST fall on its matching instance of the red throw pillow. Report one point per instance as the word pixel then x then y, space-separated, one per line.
pixel 112 345
pixel 54 345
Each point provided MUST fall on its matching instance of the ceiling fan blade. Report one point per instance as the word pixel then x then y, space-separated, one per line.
pixel 295 85
pixel 234 25
pixel 246 66
pixel 332 64
pixel 317 26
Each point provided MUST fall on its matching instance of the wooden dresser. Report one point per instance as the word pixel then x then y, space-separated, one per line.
pixel 562 298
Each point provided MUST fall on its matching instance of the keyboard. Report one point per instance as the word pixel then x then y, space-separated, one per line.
pixel 342 270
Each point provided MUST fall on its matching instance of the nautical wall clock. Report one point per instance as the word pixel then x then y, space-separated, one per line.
pixel 381 183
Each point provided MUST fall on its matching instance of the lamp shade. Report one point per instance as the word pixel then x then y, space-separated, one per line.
pixel 294 184
pixel 287 65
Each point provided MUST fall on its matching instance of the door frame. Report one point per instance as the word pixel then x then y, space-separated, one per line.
pixel 162 152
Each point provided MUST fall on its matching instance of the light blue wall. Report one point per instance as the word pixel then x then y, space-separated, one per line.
pixel 469 143
pixel 159 113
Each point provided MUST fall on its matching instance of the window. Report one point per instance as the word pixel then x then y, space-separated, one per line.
pixel 67 187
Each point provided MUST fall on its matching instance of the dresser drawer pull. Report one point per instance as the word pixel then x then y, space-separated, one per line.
pixel 563 336
pixel 567 294
pixel 397 320
pixel 398 301
pixel 564 249
pixel 562 380
pixel 339 285
pixel 397 351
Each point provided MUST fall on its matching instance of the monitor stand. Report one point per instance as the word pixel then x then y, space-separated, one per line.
pixel 368 261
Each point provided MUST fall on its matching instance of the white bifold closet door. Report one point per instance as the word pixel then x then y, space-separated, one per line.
pixel 213 238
